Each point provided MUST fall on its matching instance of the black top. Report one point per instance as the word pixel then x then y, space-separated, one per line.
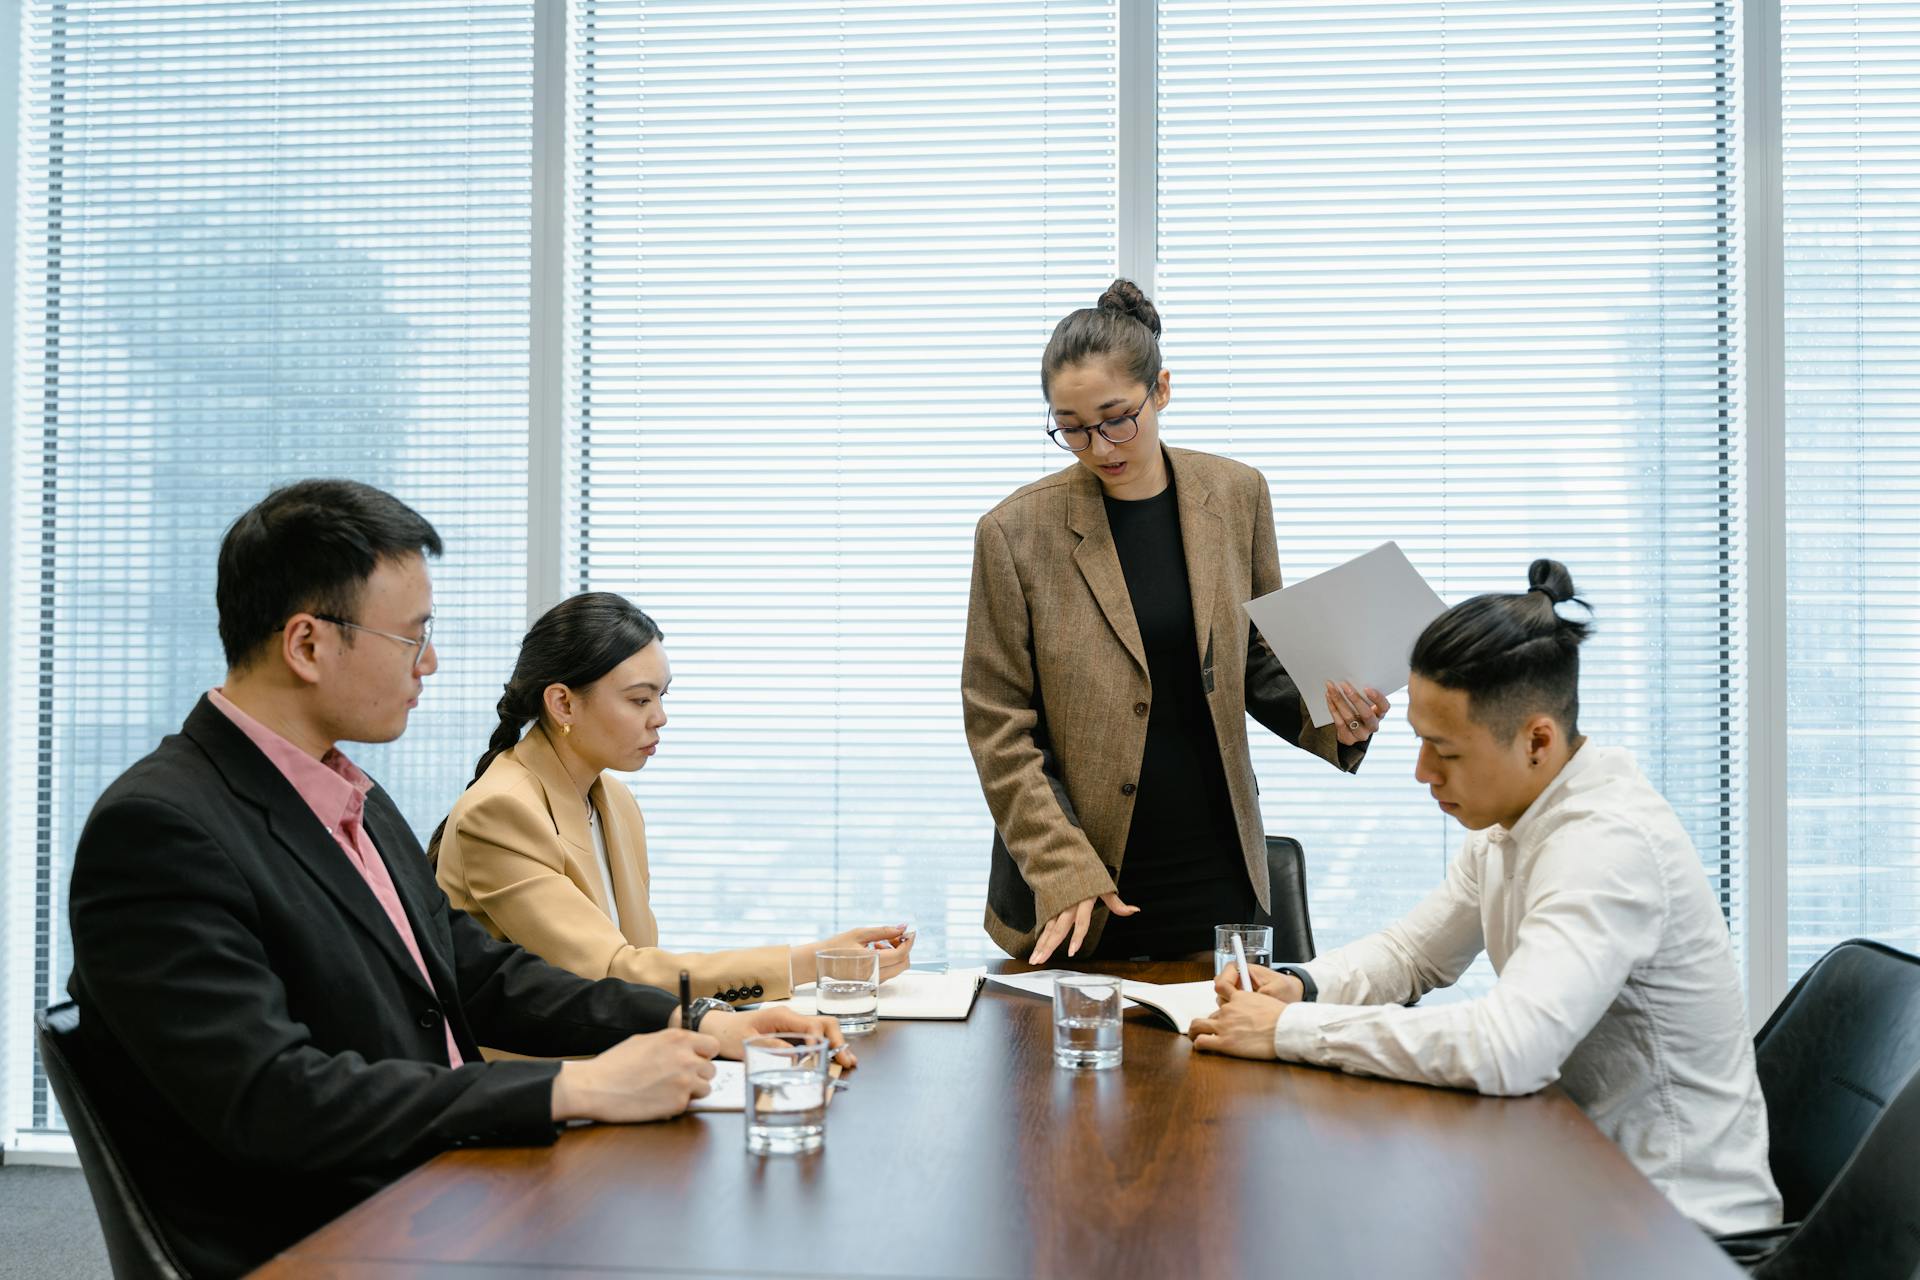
pixel 1183 866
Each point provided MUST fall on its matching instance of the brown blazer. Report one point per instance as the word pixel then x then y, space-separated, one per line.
pixel 1055 689
pixel 517 855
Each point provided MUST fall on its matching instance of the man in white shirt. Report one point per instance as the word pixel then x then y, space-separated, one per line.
pixel 1616 977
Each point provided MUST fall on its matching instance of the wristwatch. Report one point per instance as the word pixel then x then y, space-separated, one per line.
pixel 1309 989
pixel 700 1008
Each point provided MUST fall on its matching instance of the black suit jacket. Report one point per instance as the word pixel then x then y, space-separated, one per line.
pixel 266 1051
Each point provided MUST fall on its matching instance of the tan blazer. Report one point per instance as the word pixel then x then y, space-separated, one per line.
pixel 1055 689
pixel 518 856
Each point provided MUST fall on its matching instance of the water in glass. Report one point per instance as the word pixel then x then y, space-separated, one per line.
pixel 1086 1042
pixel 786 1112
pixel 855 1003
pixel 1086 1021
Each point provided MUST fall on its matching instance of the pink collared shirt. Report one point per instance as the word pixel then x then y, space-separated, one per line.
pixel 336 790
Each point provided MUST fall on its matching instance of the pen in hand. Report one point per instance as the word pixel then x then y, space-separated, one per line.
pixel 686 999
pixel 1240 960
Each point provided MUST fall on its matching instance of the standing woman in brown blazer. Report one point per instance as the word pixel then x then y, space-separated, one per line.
pixel 1109 669
pixel 547 850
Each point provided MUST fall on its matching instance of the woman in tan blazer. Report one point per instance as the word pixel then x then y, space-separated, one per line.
pixel 546 850
pixel 1109 669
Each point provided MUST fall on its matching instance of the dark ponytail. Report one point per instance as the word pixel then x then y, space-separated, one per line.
pixel 574 644
pixel 1123 327
pixel 1514 655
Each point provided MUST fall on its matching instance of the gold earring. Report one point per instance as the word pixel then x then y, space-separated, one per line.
pixel 565 729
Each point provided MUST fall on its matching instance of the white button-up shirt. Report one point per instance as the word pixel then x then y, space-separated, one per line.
pixel 1615 978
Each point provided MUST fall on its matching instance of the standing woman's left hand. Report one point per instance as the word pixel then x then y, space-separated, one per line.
pixel 1356 715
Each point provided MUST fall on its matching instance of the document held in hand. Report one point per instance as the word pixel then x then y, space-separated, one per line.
pixel 1355 622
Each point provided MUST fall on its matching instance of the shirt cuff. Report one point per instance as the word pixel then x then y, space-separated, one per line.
pixel 1296 1033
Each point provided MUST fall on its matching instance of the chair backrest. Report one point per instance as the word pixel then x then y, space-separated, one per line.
pixel 1831 1058
pixel 135 1246
pixel 1867 1226
pixel 1287 883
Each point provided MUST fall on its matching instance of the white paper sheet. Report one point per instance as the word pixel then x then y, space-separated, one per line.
pixel 1179 1002
pixel 1040 983
pixel 1355 622
pixel 727 1089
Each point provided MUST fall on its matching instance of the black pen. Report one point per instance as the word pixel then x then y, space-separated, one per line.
pixel 686 999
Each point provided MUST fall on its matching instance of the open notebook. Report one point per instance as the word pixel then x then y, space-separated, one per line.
pixel 1177 1002
pixel 918 994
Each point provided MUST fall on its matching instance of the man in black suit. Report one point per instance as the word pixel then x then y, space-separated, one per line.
pixel 286 1009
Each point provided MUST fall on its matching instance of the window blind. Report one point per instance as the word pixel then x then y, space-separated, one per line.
pixel 258 242
pixel 815 252
pixel 1851 196
pixel 1461 276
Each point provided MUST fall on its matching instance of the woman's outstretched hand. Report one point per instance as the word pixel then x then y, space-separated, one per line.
pixel 1075 920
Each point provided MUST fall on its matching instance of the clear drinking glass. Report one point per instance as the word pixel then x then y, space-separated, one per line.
pixel 787 1093
pixel 1257 939
pixel 1086 1020
pixel 848 987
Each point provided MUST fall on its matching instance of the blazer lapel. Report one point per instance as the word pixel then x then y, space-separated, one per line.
pixel 1200 534
pixel 292 823
pixel 565 808
pixel 1099 562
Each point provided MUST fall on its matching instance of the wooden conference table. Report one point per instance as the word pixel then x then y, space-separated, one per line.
pixel 960 1151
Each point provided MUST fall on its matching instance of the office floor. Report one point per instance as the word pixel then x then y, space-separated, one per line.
pixel 47 1226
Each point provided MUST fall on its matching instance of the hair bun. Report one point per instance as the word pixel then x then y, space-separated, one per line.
pixel 1551 579
pixel 1124 296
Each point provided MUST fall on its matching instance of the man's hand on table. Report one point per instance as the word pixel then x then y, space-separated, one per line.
pixel 1281 986
pixel 654 1076
pixel 1243 1024
pixel 734 1027
pixel 642 1078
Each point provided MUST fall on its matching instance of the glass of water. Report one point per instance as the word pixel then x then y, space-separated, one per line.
pixel 1086 1020
pixel 1256 939
pixel 848 987
pixel 787 1093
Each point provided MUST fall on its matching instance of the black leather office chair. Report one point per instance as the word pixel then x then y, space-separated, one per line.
pixel 1867 1225
pixel 1287 885
pixel 1830 1059
pixel 135 1246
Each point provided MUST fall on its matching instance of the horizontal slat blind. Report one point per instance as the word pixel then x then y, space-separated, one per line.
pixel 816 250
pixel 259 242
pixel 1460 275
pixel 1851 115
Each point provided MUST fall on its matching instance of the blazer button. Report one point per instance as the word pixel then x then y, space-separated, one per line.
pixel 1139 708
pixel 1126 788
pixel 429 1018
